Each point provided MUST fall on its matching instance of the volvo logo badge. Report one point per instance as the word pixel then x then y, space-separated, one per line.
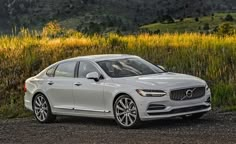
pixel 189 93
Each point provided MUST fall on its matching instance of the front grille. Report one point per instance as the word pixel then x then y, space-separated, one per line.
pixel 182 110
pixel 181 94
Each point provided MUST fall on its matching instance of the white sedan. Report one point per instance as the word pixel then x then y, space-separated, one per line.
pixel 121 87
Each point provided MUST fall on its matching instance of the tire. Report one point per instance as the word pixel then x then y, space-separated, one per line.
pixel 42 109
pixel 193 116
pixel 126 112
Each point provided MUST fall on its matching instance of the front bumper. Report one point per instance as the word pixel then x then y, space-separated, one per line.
pixel 176 112
pixel 171 108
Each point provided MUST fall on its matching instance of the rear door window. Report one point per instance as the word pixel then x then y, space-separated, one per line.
pixel 66 69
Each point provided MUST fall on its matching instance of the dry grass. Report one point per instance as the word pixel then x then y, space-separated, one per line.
pixel 210 57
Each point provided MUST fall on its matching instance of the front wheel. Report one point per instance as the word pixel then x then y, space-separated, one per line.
pixel 193 116
pixel 126 112
pixel 42 110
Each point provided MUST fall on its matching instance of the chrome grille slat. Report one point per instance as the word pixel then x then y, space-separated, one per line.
pixel 180 94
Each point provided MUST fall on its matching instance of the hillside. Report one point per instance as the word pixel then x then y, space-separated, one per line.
pixel 199 24
pixel 102 15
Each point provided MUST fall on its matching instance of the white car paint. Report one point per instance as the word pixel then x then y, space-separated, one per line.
pixel 95 99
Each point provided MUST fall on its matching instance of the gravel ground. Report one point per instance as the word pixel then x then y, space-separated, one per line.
pixel 214 127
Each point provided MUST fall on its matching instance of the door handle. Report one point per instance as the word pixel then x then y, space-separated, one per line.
pixel 77 84
pixel 50 83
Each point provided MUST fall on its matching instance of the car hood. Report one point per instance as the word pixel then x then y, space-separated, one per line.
pixel 163 81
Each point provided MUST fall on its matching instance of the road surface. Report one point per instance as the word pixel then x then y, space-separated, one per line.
pixel 214 127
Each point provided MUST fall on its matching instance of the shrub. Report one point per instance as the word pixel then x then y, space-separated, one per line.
pixel 229 17
pixel 226 29
pixel 206 27
pixel 52 29
pixel 221 93
pixel 196 19
pixel 158 31
pixel 94 28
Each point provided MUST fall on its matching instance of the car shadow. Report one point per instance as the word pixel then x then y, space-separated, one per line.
pixel 175 123
pixel 85 121
pixel 154 124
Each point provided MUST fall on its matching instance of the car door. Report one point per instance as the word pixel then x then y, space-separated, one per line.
pixel 60 86
pixel 88 93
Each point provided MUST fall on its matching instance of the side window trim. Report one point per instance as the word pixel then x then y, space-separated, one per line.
pixel 53 75
pixel 76 72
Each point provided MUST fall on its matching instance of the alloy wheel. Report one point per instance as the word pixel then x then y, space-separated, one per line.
pixel 40 108
pixel 126 111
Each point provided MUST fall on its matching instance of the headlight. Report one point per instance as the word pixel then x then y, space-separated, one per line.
pixel 151 93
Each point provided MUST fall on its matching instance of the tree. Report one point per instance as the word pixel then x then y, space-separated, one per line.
pixel 94 28
pixel 167 19
pixel 212 17
pixel 196 19
pixel 229 17
pixel 226 29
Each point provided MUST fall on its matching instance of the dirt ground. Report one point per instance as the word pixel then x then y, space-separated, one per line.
pixel 214 127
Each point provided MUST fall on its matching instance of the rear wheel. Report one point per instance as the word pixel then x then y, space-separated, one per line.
pixel 126 112
pixel 42 110
pixel 193 116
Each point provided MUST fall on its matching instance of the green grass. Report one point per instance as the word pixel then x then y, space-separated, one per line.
pixel 229 108
pixel 14 109
pixel 189 24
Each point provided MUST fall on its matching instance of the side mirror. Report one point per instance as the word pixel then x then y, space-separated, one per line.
pixel 93 75
pixel 163 68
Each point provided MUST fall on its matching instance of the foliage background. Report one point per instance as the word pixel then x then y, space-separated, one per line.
pixel 211 57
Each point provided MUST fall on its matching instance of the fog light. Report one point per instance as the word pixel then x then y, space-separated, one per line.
pixel 208 100
pixel 156 107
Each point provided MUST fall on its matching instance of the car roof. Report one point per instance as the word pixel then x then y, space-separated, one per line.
pixel 100 57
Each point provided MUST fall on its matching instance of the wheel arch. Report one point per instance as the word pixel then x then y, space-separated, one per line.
pixel 118 95
pixel 39 92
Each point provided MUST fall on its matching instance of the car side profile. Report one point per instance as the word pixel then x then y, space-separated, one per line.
pixel 126 88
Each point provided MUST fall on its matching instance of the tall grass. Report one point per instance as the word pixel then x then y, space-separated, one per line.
pixel 210 57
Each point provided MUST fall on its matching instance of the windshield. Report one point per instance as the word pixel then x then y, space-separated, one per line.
pixel 128 67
